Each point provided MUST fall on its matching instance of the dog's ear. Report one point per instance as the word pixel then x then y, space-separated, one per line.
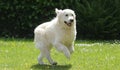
pixel 57 11
pixel 74 14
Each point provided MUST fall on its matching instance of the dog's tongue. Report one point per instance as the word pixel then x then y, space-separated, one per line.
pixel 69 24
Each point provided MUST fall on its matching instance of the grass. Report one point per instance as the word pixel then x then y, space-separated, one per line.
pixel 20 54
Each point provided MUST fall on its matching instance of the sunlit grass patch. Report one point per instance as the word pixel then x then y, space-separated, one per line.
pixel 20 54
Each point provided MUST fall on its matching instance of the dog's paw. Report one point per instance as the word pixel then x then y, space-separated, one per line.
pixel 68 57
pixel 41 63
pixel 71 51
pixel 67 54
pixel 54 63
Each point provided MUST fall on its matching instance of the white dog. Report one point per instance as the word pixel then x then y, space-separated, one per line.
pixel 59 33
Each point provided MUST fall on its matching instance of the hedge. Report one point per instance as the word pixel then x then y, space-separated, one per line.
pixel 96 19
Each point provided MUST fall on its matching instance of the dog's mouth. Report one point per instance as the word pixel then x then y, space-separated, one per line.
pixel 68 24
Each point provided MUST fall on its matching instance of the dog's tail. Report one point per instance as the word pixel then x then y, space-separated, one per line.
pixel 39 36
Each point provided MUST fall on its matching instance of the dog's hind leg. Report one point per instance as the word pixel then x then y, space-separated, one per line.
pixel 40 46
pixel 47 54
pixel 40 58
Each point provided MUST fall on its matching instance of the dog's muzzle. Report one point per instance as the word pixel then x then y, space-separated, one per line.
pixel 69 23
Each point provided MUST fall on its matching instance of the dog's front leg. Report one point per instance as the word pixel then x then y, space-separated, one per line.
pixel 71 48
pixel 62 48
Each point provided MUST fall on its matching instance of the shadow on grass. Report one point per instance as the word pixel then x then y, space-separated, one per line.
pixel 50 67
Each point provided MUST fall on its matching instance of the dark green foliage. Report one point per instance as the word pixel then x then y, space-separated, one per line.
pixel 99 19
pixel 96 19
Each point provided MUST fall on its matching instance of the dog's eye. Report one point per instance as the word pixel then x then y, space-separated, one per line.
pixel 66 15
pixel 72 14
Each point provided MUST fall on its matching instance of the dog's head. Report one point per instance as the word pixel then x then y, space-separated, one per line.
pixel 66 16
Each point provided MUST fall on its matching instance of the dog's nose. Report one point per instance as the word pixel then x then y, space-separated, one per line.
pixel 71 20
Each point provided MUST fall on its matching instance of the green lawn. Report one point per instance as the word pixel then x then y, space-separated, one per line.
pixel 19 54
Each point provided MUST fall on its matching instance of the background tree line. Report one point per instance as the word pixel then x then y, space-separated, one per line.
pixel 96 19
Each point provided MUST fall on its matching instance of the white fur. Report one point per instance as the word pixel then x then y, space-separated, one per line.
pixel 56 33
